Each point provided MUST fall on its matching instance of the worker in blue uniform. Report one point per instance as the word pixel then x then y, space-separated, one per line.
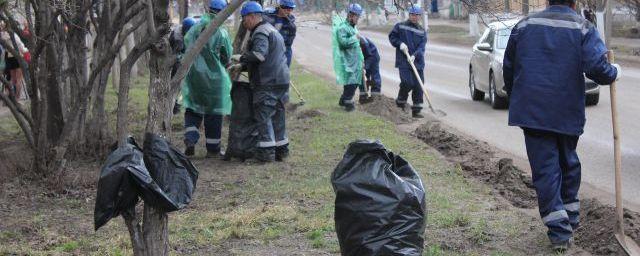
pixel 283 20
pixel 410 36
pixel 371 67
pixel 547 56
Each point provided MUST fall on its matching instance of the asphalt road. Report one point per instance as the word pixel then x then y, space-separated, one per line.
pixel 447 78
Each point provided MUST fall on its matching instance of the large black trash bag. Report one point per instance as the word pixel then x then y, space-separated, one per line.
pixel 380 202
pixel 173 173
pixel 243 130
pixel 116 189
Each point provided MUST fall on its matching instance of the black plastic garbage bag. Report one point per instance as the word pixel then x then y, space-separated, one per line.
pixel 243 130
pixel 173 173
pixel 117 191
pixel 380 202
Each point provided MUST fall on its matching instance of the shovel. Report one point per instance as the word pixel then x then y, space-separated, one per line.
pixel 302 102
pixel 629 246
pixel 436 112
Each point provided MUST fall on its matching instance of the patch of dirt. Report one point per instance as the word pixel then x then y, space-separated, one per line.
pixel 477 159
pixel 310 113
pixel 387 109
pixel 597 224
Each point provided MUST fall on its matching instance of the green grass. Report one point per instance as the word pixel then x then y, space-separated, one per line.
pixel 283 204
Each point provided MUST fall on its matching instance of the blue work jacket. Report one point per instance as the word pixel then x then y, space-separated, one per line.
pixel 370 52
pixel 547 56
pixel 415 37
pixel 286 26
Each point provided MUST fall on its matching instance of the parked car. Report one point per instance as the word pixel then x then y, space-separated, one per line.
pixel 485 67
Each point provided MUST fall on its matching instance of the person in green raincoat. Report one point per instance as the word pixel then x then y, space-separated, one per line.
pixel 348 60
pixel 206 89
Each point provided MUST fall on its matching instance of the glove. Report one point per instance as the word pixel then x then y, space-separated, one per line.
pixel 412 58
pixel 619 75
pixel 236 57
pixel 404 47
pixel 233 68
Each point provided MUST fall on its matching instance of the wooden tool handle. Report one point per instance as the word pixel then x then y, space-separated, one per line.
pixel 616 151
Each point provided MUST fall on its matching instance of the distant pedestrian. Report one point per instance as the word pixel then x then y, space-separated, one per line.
pixel 545 61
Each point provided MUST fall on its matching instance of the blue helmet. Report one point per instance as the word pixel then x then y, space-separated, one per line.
pixel 250 7
pixel 187 23
pixel 217 5
pixel 415 10
pixel 355 9
pixel 287 3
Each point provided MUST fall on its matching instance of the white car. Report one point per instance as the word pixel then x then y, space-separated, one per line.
pixel 485 67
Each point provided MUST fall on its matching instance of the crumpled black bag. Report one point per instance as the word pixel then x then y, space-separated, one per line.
pixel 161 175
pixel 117 190
pixel 243 129
pixel 173 173
pixel 380 202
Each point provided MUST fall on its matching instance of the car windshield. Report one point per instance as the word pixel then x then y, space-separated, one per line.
pixel 502 37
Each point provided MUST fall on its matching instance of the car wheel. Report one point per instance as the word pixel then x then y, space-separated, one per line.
pixel 497 102
pixel 592 99
pixel 476 95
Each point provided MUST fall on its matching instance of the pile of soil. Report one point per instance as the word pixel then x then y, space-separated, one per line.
pixel 597 223
pixel 387 109
pixel 310 113
pixel 477 159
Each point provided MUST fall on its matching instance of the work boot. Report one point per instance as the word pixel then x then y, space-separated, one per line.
pixel 350 107
pixel 562 247
pixel 215 154
pixel 341 103
pixel 402 106
pixel 364 99
pixel 265 155
pixel 416 114
pixel 190 150
pixel 282 153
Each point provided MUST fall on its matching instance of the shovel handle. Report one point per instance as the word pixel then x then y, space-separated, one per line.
pixel 616 151
pixel 415 72
pixel 297 92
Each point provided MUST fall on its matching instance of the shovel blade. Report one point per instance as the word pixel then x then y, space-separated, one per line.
pixel 629 246
pixel 438 113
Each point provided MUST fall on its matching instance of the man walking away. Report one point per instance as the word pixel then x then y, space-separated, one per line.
pixel 410 36
pixel 546 57
pixel 283 20
pixel 371 67
pixel 348 60
pixel 269 76
pixel 207 86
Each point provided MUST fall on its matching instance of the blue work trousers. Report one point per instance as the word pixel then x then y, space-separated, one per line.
pixel 374 80
pixel 409 84
pixel 212 129
pixel 556 176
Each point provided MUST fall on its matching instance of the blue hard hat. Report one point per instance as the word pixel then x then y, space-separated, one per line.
pixel 187 23
pixel 355 9
pixel 287 3
pixel 415 10
pixel 250 7
pixel 217 5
